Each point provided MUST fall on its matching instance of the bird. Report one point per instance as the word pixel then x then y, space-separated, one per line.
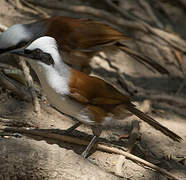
pixel 78 39
pixel 89 99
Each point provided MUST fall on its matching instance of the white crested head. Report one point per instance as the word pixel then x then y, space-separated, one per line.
pixel 49 54
pixel 44 58
pixel 14 36
pixel 43 54
pixel 49 67
pixel 46 43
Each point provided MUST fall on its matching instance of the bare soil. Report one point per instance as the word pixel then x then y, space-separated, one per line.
pixel 37 158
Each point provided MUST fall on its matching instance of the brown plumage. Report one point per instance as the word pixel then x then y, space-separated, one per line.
pixel 102 99
pixel 89 99
pixel 78 39
pixel 81 39
pixel 81 34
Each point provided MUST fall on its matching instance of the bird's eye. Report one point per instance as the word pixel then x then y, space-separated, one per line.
pixel 37 51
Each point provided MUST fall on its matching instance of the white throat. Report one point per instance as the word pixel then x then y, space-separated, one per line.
pixel 53 76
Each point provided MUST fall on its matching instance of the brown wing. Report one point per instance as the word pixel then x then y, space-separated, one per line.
pixel 89 36
pixel 82 34
pixel 99 95
pixel 94 91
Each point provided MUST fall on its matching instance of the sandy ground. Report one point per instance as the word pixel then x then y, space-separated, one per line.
pixel 153 146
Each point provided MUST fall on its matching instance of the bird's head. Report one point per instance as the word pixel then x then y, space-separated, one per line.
pixel 43 51
pixel 14 37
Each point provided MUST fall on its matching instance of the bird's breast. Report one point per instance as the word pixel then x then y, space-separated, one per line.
pixel 70 107
pixel 63 103
pixel 57 95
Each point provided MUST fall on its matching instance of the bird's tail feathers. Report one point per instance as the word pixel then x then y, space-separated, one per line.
pixel 154 123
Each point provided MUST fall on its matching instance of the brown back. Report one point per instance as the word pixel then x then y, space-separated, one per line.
pixel 72 33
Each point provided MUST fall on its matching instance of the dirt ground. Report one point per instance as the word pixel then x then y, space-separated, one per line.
pixel 24 156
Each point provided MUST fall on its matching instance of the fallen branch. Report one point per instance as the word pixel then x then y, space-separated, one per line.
pixel 125 84
pixel 16 74
pixel 29 79
pixel 129 87
pixel 19 5
pixel 15 87
pixel 13 122
pixel 7 66
pixel 170 38
pixel 145 5
pixel 100 147
pixel 33 8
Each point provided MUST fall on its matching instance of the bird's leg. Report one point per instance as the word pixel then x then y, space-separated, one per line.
pixel 69 130
pixel 97 132
pixel 88 148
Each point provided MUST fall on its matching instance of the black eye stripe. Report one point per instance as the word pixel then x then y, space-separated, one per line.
pixel 47 59
pixel 38 51
pixel 38 54
pixel 26 51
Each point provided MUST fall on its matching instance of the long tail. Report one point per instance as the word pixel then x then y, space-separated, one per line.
pixel 142 59
pixel 154 123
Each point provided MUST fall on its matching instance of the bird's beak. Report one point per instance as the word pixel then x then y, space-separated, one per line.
pixel 19 52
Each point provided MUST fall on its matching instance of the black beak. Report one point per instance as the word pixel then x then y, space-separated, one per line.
pixel 7 50
pixel 19 52
pixel 37 56
pixel 2 51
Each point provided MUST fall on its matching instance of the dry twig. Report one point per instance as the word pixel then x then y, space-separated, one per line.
pixel 13 122
pixel 100 147
pixel 31 8
pixel 26 72
pixel 20 6
pixel 16 87
pixel 6 66
pixel 16 74
pixel 150 13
